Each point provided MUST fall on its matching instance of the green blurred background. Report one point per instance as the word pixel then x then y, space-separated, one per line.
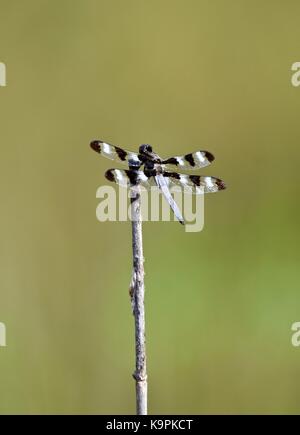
pixel 220 303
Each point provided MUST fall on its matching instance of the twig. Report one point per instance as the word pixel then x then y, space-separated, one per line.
pixel 137 293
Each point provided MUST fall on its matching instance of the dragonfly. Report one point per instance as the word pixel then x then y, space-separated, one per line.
pixel 148 169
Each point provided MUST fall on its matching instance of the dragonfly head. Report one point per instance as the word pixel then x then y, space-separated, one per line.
pixel 145 149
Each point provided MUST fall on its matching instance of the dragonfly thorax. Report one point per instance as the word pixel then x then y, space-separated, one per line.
pixel 146 154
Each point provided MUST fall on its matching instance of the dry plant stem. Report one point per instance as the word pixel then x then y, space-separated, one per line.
pixel 137 293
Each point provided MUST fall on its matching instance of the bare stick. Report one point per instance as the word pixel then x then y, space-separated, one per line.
pixel 137 293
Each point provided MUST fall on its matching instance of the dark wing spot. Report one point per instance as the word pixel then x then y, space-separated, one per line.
pixel 210 157
pixel 110 175
pixel 96 146
pixel 195 179
pixel 121 153
pixel 190 159
pixel 171 175
pixel 171 161
pixel 221 185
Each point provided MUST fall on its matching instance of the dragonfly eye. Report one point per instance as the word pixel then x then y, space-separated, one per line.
pixel 144 149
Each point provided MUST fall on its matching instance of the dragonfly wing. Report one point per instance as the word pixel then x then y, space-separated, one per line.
pixel 191 161
pixel 118 154
pixel 129 177
pixel 195 184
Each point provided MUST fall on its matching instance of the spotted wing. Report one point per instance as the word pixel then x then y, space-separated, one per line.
pixel 129 177
pixel 195 184
pixel 115 153
pixel 196 160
